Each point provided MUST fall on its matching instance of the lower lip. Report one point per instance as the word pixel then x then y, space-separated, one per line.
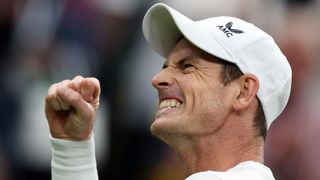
pixel 165 111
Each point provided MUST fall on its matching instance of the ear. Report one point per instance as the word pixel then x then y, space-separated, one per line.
pixel 248 87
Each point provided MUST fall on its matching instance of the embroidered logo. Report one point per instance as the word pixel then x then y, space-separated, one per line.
pixel 228 31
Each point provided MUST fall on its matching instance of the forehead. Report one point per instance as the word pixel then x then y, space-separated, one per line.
pixel 184 49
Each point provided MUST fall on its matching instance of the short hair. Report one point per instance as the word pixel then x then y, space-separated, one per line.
pixel 230 72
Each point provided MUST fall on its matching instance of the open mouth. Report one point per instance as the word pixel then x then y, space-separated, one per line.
pixel 168 106
pixel 169 103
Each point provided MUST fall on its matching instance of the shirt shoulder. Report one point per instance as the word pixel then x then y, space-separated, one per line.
pixel 248 170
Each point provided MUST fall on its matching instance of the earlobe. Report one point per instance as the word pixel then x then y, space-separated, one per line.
pixel 248 86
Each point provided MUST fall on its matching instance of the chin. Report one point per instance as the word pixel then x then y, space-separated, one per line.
pixel 161 127
pixel 167 129
pixel 156 127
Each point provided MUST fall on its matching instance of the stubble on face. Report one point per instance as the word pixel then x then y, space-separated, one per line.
pixel 201 109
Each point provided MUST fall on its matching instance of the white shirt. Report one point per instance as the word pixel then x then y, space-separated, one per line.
pixel 248 170
pixel 75 160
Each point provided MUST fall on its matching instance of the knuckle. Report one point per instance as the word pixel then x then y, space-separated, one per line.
pixel 77 77
pixel 52 92
pixel 65 82
pixel 52 88
pixel 94 80
pixel 75 83
pixel 50 97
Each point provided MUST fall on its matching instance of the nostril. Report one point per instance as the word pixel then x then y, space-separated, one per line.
pixel 160 83
pixel 163 84
pixel 162 79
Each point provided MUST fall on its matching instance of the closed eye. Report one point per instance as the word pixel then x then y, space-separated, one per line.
pixel 184 64
pixel 187 65
pixel 164 66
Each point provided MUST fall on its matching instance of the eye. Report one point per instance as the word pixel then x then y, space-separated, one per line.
pixel 186 66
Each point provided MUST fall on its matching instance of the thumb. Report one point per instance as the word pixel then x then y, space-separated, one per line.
pixel 90 89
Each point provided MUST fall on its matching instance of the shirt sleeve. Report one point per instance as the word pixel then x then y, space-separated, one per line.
pixel 73 160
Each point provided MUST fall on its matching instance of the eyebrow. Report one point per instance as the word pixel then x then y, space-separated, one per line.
pixel 180 62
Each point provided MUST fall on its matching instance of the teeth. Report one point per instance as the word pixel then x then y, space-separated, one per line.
pixel 169 103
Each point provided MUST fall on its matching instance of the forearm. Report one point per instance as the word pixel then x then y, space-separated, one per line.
pixel 73 160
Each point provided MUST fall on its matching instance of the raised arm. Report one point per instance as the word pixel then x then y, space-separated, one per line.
pixel 71 107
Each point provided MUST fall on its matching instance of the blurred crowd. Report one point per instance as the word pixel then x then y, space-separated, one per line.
pixel 45 41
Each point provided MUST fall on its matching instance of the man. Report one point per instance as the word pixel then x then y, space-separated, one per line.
pixel 222 85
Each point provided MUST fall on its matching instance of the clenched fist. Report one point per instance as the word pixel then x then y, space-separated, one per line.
pixel 71 107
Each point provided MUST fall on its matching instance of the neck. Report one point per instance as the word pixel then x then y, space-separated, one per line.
pixel 218 152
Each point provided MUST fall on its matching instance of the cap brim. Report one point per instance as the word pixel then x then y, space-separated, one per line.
pixel 163 27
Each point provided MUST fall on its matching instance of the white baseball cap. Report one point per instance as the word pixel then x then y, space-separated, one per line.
pixel 230 39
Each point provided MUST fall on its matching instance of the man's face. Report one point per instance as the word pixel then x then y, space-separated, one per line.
pixel 192 98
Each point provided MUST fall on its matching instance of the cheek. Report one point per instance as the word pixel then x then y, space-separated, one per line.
pixel 211 108
pixel 201 93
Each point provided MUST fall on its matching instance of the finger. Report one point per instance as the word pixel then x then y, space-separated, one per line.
pixel 51 98
pixel 74 99
pixel 75 83
pixel 90 89
pixel 62 103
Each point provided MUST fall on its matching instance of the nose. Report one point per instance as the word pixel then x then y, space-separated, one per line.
pixel 163 79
